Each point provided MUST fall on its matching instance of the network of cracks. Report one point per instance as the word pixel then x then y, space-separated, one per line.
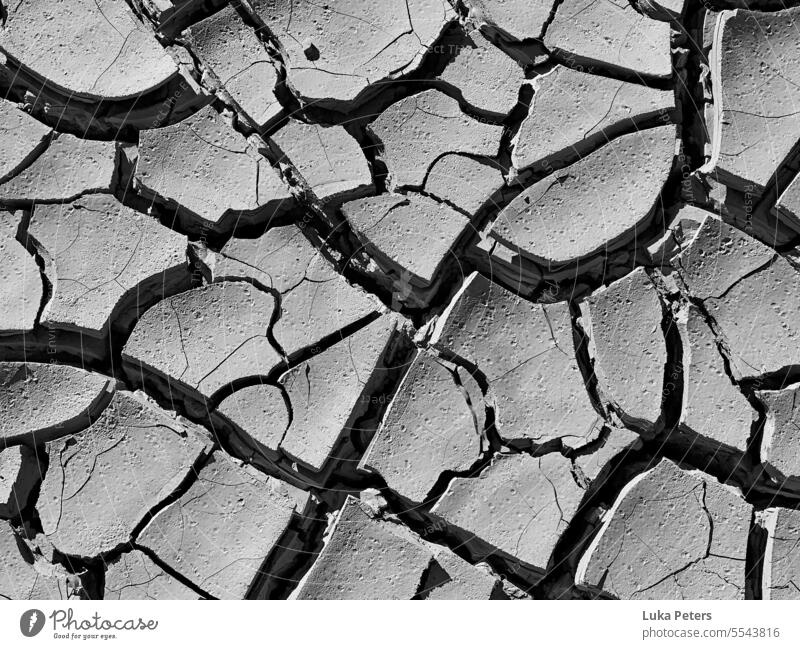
pixel 410 299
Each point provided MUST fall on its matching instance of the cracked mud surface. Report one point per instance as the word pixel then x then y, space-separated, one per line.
pixel 420 299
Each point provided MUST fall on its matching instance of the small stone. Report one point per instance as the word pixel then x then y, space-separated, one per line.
pixel 416 131
pixel 220 531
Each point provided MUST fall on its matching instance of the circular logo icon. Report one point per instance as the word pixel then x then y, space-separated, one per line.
pixel 31 622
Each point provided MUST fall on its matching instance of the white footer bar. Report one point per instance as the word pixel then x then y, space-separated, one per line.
pixel 330 625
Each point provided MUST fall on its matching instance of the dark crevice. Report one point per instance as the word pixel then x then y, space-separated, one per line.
pixel 585 63
pixel 512 125
pixel 673 382
pixel 250 381
pixel 277 313
pixel 371 150
pixel 30 158
pixel 91 570
pixel 550 18
pixel 100 351
pixel 780 180
pixel 196 228
pixel 339 474
pixel 292 556
pixel 180 490
pixel 93 117
pixel 584 360
pixel 580 150
pixel 343 472
pixel 446 477
pixel 777 380
pixel 748 387
pixel 578 278
pixel 35 250
pixel 691 94
pixel 600 497
pixel 169 570
pixel 729 466
pixel 464 544
pixel 28 516
pixel 297 357
pixel 302 541
pixel 754 559
pixel 433 577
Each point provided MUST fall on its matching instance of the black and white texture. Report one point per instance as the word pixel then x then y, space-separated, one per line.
pixel 409 299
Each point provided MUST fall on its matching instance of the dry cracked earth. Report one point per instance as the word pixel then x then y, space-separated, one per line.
pixel 416 299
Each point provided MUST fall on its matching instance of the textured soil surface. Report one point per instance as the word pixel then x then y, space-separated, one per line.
pixel 469 299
